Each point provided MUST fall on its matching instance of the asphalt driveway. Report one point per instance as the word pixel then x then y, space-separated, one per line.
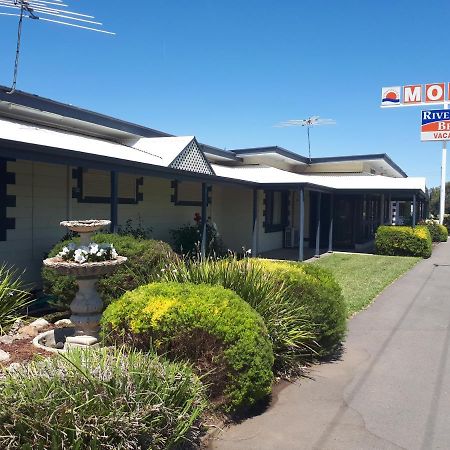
pixel 391 390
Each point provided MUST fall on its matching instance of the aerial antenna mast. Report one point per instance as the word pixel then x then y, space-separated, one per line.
pixel 308 123
pixel 53 11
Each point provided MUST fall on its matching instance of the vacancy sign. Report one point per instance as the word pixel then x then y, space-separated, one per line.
pixel 415 94
pixel 435 125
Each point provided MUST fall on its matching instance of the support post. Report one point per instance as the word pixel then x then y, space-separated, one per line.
pixel 443 176
pixel 254 253
pixel 330 232
pixel 317 255
pixel 390 209
pixel 204 205
pixel 414 206
pixel 301 223
pixel 114 177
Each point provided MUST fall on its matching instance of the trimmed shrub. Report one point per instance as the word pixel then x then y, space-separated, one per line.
pixel 318 292
pixel 447 222
pixel 288 323
pixel 100 399
pixel 438 232
pixel 146 257
pixel 210 326
pixel 13 297
pixel 403 241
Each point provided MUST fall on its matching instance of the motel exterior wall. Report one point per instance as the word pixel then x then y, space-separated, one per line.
pixel 44 197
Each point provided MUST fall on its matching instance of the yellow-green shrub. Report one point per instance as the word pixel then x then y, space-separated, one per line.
pixel 208 325
pixel 287 321
pixel 403 241
pixel 314 288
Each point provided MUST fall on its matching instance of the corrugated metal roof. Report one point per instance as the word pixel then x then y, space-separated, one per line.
pixel 271 175
pixel 159 151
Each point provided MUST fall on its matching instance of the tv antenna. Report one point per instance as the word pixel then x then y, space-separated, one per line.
pixel 53 11
pixel 308 123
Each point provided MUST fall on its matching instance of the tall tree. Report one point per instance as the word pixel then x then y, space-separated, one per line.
pixel 435 194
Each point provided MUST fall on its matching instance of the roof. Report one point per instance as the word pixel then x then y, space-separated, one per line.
pixel 159 151
pixel 271 175
pixel 46 105
pixel 295 158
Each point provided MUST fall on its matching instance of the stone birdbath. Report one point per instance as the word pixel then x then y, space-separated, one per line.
pixel 87 306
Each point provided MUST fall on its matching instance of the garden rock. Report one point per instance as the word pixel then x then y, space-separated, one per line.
pixel 28 331
pixel 64 323
pixel 40 324
pixel 4 356
pixel 7 339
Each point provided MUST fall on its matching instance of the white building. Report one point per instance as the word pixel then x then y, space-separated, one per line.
pixel 60 162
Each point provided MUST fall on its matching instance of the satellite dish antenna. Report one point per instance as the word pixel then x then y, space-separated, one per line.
pixel 53 11
pixel 308 123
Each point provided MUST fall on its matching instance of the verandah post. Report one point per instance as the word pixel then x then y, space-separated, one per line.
pixel 301 223
pixel 114 177
pixel 414 211
pixel 204 205
pixel 330 232
pixel 254 253
pixel 317 255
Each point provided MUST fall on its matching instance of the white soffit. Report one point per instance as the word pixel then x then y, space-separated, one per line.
pixel 268 158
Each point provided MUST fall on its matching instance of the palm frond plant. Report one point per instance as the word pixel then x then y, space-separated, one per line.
pixel 13 297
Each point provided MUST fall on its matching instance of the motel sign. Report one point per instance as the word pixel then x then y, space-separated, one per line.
pixel 435 123
pixel 415 95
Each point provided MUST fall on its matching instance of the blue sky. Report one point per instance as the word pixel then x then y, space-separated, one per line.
pixel 228 71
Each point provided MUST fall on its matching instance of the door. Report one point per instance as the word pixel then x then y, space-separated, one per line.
pixel 343 222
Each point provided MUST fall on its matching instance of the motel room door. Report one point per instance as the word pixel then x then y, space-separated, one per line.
pixel 343 222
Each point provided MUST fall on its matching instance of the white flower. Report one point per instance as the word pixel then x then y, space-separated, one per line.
pixel 79 256
pixel 93 248
pixel 114 254
pixel 101 252
pixel 71 246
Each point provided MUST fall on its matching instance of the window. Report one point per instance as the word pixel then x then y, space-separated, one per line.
pixel 276 211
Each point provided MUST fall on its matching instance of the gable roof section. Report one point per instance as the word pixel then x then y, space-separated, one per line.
pixel 163 152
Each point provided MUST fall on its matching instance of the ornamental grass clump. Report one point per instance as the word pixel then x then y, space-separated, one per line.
pixel 288 323
pixel 212 327
pixel 145 258
pixel 99 400
pixel 13 297
pixel 403 241
pixel 316 290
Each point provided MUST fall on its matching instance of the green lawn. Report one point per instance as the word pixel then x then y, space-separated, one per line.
pixel 363 277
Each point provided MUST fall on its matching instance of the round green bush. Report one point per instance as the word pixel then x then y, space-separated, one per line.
pixel 316 289
pixel 146 257
pixel 403 241
pixel 438 232
pixel 210 326
pixel 100 399
pixel 287 321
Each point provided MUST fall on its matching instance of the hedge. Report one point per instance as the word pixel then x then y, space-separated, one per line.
pixel 403 241
pixel 212 327
pixel 314 288
pixel 438 232
pixel 145 259
pixel 101 399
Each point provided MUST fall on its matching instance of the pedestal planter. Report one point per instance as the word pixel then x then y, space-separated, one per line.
pixel 87 305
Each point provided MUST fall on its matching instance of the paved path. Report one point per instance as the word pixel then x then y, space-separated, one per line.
pixel 390 391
